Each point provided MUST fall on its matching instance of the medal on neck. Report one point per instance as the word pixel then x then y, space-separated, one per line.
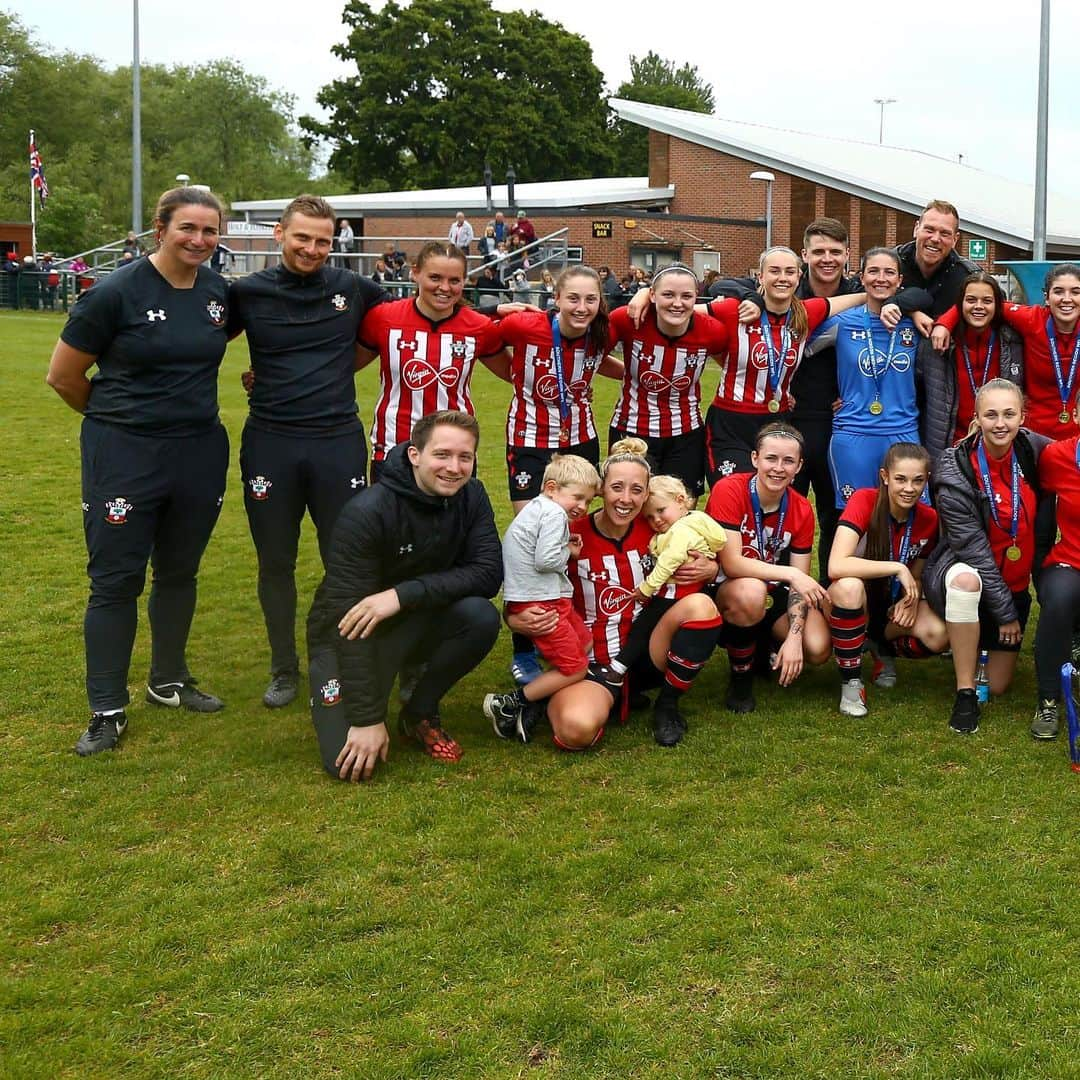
pixel 876 408
pixel 1064 384
pixel 776 359
pixel 1012 552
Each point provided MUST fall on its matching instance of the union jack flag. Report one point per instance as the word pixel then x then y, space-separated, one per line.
pixel 37 172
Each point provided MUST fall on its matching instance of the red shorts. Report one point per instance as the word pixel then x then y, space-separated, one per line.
pixel 567 647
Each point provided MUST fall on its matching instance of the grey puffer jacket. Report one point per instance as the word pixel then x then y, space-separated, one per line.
pixel 936 391
pixel 964 520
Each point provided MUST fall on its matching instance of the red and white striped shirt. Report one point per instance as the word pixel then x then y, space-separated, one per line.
pixel 424 366
pixel 661 389
pixel 605 576
pixel 745 386
pixel 534 419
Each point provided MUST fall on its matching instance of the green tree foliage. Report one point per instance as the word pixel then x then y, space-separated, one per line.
pixel 656 81
pixel 443 85
pixel 218 123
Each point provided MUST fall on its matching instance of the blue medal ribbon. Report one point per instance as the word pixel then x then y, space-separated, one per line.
pixel 986 364
pixel 876 375
pixel 905 549
pixel 988 487
pixel 1065 386
pixel 767 550
pixel 776 359
pixel 560 378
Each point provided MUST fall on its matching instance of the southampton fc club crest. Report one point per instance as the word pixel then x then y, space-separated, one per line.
pixel 116 511
pixel 260 487
pixel 331 692
pixel 522 479
pixel 907 337
pixel 339 302
pixel 648 564
pixel 216 312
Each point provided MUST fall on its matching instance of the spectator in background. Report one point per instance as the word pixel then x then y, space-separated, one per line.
pixel 346 241
pixel 708 281
pixel 380 273
pixel 610 286
pixel 487 244
pixel 521 290
pixel 546 298
pixel 502 266
pixel 461 233
pixel 524 228
pixel 499 227
pixel 131 248
pixel 489 284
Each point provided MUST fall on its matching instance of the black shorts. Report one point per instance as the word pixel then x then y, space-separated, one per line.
pixel 990 628
pixel 778 595
pixel 525 466
pixel 730 438
pixel 673 455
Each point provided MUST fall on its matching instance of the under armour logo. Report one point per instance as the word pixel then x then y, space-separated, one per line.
pixel 153 316
pixel 405 549
pixel 356 482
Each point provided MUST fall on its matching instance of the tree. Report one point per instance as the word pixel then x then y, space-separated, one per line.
pixel 656 81
pixel 444 85
pixel 218 123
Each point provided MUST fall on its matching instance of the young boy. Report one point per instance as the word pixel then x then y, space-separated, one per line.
pixel 536 550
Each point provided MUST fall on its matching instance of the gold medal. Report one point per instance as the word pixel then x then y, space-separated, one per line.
pixel 564 435
pixel 1012 553
pixel 1063 416
pixel 774 406
pixel 768 601
pixel 876 408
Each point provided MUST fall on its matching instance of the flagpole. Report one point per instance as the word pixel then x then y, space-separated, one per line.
pixel 33 208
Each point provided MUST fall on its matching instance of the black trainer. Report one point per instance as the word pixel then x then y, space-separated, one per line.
pixel 183 696
pixel 668 726
pixel 740 695
pixel 102 733
pixel 965 713
pixel 281 691
pixel 504 711
pixel 528 718
pixel 610 678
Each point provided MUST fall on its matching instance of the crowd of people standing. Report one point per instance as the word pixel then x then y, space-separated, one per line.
pixel 936 423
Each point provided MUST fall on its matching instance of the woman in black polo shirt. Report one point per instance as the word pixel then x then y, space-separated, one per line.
pixel 154 453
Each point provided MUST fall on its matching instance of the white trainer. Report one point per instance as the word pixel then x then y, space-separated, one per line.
pixel 853 698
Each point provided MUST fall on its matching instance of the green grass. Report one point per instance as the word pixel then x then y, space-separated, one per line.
pixel 788 894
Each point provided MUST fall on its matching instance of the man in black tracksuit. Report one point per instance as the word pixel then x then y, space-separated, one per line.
pixel 303 445
pixel 411 569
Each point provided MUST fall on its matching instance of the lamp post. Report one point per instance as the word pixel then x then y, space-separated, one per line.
pixel 136 127
pixel 1038 247
pixel 768 178
pixel 881 102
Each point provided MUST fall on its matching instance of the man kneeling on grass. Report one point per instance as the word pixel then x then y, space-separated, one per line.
pixel 413 563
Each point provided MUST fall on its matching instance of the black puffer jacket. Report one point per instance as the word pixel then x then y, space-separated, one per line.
pixel 943 285
pixel 964 519
pixel 431 550
pixel 935 388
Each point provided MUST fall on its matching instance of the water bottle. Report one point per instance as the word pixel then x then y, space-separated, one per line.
pixel 982 679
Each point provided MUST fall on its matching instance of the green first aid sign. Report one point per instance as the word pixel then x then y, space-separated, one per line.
pixel 977 250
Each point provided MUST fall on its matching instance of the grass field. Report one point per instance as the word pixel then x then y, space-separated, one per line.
pixel 786 894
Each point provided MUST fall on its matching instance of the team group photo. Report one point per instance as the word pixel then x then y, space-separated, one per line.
pixel 538 562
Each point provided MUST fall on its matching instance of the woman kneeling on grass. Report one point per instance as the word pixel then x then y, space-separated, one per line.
pixel 767 589
pixel 876 567
pixel 609 568
pixel 977 578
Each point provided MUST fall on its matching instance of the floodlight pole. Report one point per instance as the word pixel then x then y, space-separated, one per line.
pixel 1038 246
pixel 136 129
pixel 881 102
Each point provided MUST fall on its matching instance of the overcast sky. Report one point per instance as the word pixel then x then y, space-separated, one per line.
pixel 963 73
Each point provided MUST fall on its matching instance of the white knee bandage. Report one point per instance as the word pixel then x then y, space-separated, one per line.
pixel 961 606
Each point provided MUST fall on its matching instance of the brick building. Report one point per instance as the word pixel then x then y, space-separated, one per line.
pixel 699 205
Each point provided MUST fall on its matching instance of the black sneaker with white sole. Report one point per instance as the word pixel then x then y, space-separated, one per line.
pixel 505 713
pixel 668 725
pixel 965 713
pixel 183 696
pixel 102 733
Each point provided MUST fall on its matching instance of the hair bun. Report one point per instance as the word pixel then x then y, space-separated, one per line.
pixel 630 445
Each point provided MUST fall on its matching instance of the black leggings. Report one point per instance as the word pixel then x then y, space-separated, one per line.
pixel 1059 618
